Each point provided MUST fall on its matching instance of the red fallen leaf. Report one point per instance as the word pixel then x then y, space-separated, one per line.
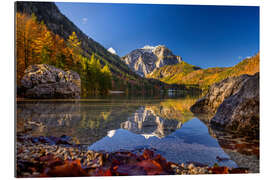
pixel 68 169
pixel 108 172
pixel 148 154
pixel 102 172
pixel 238 170
pixel 151 167
pixel 219 170
pixel 162 161
pixel 115 168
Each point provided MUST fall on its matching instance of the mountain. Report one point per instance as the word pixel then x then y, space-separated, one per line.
pixel 59 24
pixel 123 78
pixel 145 60
pixel 145 122
pixel 184 73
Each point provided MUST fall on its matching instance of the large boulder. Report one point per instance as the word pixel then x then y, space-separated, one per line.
pixel 217 93
pixel 240 112
pixel 46 81
pixel 233 104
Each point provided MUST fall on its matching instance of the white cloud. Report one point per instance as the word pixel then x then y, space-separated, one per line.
pixel 84 20
pixel 111 50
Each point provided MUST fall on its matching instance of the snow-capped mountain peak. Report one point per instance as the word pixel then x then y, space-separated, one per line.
pixel 145 60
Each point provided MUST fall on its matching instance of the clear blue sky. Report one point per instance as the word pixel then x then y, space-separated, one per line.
pixel 206 36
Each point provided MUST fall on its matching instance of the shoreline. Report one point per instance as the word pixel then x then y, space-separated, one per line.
pixel 58 157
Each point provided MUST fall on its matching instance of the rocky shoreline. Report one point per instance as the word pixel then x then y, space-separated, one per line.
pixel 59 157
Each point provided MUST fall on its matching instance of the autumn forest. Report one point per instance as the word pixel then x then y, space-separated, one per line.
pixel 37 45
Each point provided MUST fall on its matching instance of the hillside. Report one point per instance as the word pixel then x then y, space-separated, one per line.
pixel 184 73
pixel 42 22
pixel 170 72
pixel 61 25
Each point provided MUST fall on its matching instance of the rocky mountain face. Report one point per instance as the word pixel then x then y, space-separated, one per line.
pixel 145 122
pixel 46 81
pixel 233 104
pixel 147 59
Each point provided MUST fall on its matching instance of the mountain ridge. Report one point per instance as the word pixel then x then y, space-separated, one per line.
pixel 145 60
pixel 123 78
pixel 58 23
pixel 205 77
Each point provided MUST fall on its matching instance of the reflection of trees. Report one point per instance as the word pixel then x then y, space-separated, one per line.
pixel 90 121
pixel 42 118
pixel 84 121
pixel 177 109
pixel 160 119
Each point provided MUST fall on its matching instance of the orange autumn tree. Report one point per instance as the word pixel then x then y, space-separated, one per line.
pixel 25 34
pixel 36 44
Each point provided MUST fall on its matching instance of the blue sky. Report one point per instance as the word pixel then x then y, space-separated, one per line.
pixel 206 36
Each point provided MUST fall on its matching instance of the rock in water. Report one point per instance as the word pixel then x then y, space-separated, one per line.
pixel 240 112
pixel 233 104
pixel 46 81
pixel 217 93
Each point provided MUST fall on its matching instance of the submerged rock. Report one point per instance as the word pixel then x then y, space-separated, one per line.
pixel 46 81
pixel 233 104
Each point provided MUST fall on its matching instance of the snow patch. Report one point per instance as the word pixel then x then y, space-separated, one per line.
pixel 111 50
pixel 147 47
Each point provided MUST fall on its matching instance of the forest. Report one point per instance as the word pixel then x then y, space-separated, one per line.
pixel 37 45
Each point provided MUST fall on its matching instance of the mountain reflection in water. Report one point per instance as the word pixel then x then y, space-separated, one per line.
pixel 165 125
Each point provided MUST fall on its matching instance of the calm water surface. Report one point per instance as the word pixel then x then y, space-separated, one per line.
pixel 164 125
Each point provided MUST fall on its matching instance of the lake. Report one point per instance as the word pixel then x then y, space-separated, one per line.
pixel 164 125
